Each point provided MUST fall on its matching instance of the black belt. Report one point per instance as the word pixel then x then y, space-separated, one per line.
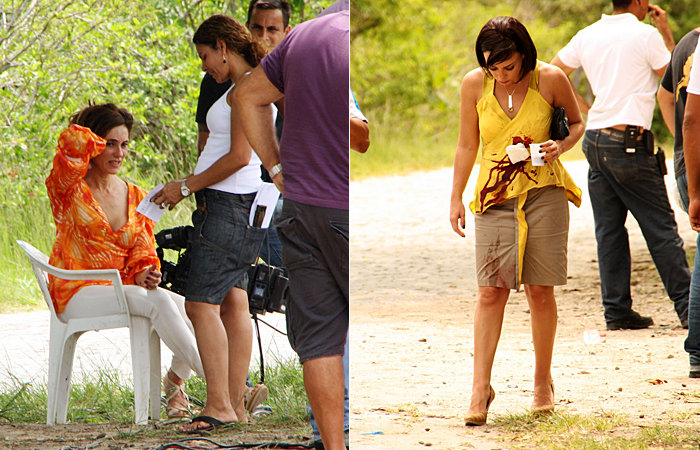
pixel 619 134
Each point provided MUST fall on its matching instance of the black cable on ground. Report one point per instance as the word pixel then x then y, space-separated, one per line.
pixel 181 445
pixel 280 332
pixel 262 363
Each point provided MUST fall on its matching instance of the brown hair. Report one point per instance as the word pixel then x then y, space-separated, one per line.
pixel 236 37
pixel 100 119
pixel 503 36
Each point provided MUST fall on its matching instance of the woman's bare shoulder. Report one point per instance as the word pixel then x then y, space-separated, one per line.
pixel 472 84
pixel 473 78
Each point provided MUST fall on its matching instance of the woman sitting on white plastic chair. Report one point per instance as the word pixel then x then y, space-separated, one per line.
pixel 97 227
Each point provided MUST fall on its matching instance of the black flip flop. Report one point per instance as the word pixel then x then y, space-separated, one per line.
pixel 211 422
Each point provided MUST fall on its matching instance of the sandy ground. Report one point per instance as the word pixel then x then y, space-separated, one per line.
pixel 24 358
pixel 413 291
pixel 24 348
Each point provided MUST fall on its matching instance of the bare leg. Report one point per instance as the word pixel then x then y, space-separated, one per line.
pixel 488 320
pixel 324 382
pixel 543 314
pixel 239 330
pixel 213 348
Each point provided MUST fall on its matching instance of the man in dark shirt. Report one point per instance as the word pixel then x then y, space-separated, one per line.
pixel 310 69
pixel 672 97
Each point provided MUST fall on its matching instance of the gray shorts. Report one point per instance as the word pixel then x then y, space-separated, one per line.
pixel 496 231
pixel 224 247
pixel 315 249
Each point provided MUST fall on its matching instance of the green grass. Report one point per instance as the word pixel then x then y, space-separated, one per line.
pixel 102 395
pixel 604 431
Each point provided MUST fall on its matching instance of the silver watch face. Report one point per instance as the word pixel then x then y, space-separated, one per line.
pixel 184 190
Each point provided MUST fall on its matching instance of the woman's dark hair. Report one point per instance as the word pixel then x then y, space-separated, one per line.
pixel 236 37
pixel 504 36
pixel 100 119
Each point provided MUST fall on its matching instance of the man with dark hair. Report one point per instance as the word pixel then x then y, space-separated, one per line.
pixel 623 59
pixel 264 20
pixel 691 150
pixel 310 69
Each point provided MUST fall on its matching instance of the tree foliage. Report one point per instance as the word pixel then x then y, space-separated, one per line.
pixel 408 58
pixel 55 56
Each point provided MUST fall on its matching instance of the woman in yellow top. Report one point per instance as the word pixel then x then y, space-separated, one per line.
pixel 521 211
pixel 97 227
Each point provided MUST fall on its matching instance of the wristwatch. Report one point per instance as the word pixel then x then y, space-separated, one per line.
pixel 276 169
pixel 184 190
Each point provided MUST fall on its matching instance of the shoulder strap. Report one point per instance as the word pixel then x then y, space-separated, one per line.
pixel 487 85
pixel 535 77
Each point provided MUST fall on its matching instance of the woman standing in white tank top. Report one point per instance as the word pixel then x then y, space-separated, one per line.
pixel 225 181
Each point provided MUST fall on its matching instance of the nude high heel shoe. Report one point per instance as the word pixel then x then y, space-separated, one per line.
pixel 545 410
pixel 478 419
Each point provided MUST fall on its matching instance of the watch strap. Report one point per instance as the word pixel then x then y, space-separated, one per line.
pixel 276 169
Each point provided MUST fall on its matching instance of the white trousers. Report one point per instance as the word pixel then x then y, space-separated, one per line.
pixel 165 309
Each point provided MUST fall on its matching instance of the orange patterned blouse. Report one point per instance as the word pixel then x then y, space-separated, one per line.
pixel 84 238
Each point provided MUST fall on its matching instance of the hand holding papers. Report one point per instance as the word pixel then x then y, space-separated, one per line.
pixel 150 209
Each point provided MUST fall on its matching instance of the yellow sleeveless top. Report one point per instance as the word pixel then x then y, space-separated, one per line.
pixel 499 179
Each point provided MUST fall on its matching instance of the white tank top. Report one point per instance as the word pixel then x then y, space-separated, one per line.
pixel 244 181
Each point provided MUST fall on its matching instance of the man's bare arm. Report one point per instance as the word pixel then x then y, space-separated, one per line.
pixel 691 154
pixel 668 111
pixel 359 135
pixel 583 105
pixel 252 98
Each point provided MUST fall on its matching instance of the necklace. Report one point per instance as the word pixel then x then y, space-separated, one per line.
pixel 510 96
pixel 246 73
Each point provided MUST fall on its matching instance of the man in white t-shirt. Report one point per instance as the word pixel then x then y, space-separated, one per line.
pixel 623 59
pixel 691 153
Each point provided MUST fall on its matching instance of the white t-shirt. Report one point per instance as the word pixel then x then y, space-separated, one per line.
pixel 619 55
pixel 355 112
pixel 244 181
pixel 694 79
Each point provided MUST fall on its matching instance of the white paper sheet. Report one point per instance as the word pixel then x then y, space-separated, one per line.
pixel 267 197
pixel 150 209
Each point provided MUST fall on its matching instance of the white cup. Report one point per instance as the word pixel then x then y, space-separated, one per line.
pixel 536 155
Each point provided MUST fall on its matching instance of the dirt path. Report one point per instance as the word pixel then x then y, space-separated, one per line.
pixel 413 290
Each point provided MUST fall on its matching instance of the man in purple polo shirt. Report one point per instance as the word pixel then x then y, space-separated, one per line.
pixel 310 69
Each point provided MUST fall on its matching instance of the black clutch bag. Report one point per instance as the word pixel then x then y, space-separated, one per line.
pixel 560 124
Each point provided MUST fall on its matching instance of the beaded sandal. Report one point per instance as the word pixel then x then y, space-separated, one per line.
pixel 172 391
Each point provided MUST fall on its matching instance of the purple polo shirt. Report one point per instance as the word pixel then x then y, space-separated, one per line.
pixel 311 68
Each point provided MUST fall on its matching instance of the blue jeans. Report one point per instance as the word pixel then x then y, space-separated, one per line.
pixel 346 415
pixel 692 342
pixel 271 249
pixel 619 182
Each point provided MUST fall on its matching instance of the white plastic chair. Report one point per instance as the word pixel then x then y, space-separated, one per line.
pixel 145 342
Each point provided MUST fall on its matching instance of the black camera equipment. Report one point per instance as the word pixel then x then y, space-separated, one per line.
pixel 267 285
pixel 267 289
pixel 174 276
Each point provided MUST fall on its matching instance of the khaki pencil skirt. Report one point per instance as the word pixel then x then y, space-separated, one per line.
pixel 545 260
